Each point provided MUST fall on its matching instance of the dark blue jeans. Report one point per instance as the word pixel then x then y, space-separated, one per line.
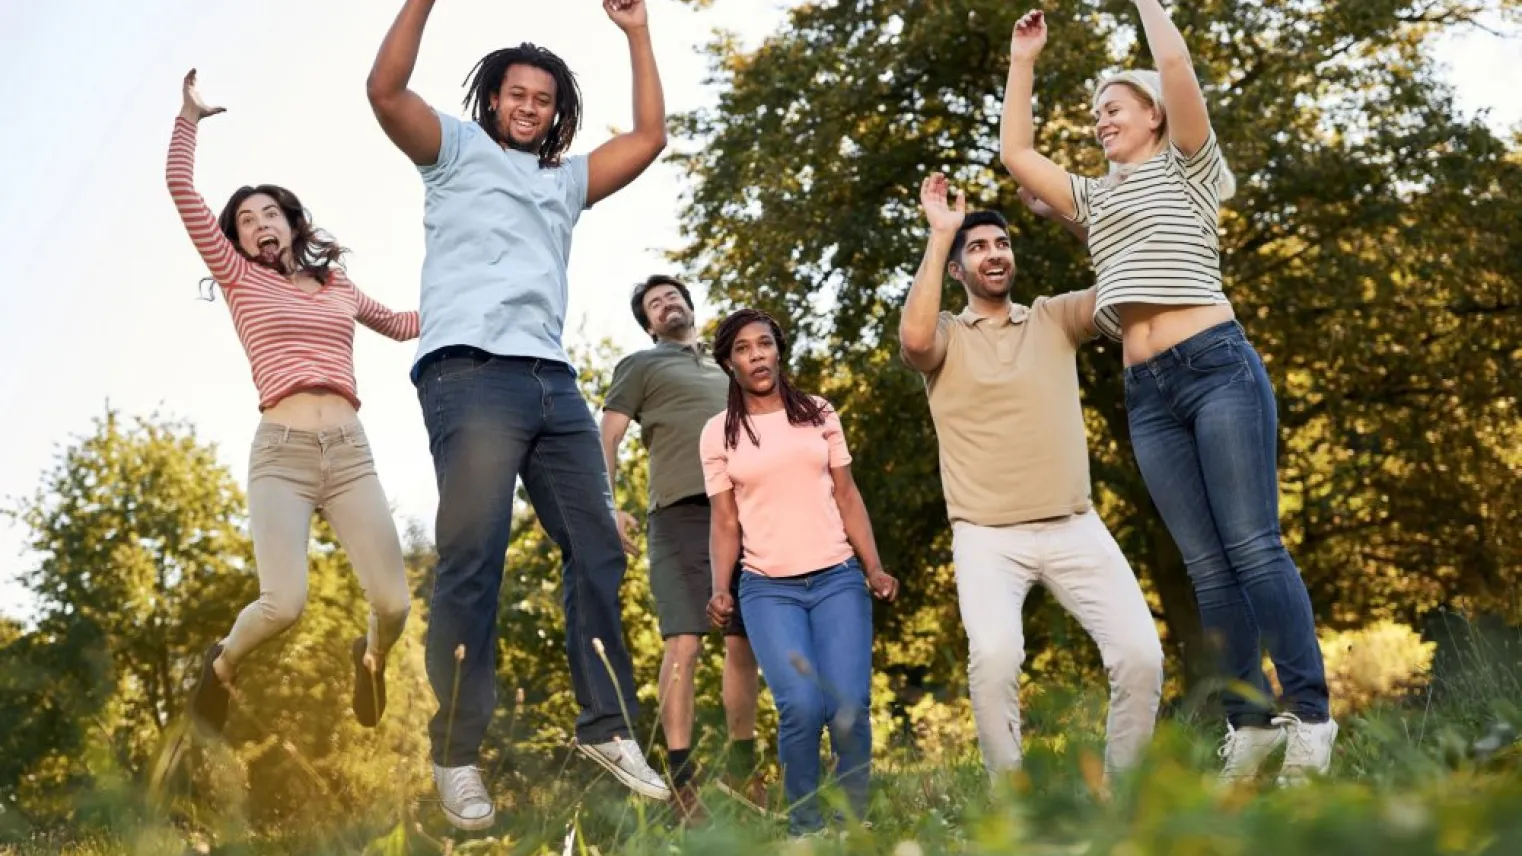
pixel 813 640
pixel 490 420
pixel 1205 430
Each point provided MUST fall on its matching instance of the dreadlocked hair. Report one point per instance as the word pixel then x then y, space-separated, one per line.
pixel 485 80
pixel 801 409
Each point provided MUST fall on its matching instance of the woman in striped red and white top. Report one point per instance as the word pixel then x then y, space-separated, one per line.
pixel 294 309
pixel 1200 405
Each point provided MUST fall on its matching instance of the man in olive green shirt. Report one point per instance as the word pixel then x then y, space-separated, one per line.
pixel 671 390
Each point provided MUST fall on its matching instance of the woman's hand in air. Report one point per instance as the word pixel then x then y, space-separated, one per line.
pixel 882 584
pixel 1028 38
pixel 195 109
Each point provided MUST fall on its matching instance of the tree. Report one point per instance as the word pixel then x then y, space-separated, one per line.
pixel 141 561
pixel 1365 253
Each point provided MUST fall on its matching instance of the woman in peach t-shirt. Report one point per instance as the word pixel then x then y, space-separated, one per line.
pixel 777 467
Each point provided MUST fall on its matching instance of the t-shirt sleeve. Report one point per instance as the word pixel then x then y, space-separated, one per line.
pixel 576 187
pixel 835 436
pixel 626 392
pixel 1083 193
pixel 715 457
pixel 1067 310
pixel 451 132
pixel 1203 169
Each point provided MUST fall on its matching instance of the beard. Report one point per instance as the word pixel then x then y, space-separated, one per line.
pixel 980 288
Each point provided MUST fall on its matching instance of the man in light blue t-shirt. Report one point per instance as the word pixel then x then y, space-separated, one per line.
pixel 499 396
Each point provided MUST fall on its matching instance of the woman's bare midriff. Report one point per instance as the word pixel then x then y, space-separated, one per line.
pixel 1149 329
pixel 311 410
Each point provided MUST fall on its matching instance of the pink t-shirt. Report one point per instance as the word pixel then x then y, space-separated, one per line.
pixel 784 490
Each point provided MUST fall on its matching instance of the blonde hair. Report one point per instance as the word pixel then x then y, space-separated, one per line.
pixel 1148 85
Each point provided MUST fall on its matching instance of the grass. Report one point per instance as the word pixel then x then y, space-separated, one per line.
pixel 1440 773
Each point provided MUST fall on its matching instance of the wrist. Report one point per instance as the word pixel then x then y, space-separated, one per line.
pixel 191 116
pixel 1022 61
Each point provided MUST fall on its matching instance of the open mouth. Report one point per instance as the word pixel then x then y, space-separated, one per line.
pixel 524 127
pixel 269 246
pixel 996 274
pixel 761 373
pixel 1108 136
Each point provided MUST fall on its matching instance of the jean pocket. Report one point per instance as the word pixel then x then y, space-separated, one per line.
pixel 1223 356
pixel 458 368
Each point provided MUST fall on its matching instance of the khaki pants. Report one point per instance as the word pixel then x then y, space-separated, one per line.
pixel 291 474
pixel 1079 562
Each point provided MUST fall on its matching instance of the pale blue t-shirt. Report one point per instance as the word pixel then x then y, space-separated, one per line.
pixel 497 240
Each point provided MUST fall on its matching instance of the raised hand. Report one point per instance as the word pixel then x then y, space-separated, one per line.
pixel 194 108
pixel 627 14
pixel 941 216
pixel 1028 38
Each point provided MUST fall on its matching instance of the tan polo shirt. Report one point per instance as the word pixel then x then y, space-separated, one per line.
pixel 1007 413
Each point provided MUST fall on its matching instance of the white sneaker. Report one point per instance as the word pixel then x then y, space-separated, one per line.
pixel 1310 749
pixel 627 763
pixel 466 803
pixel 1246 748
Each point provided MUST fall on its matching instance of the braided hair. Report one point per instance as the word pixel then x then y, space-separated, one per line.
pixel 485 80
pixel 801 409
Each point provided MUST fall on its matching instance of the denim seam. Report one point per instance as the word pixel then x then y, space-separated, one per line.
pixel 575 579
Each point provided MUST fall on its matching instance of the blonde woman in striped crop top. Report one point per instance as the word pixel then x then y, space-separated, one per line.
pixel 1200 406
pixel 294 309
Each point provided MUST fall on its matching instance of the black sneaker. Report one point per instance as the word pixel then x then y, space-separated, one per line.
pixel 369 687
pixel 209 697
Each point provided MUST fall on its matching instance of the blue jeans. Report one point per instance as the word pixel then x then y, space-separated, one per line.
pixel 813 640
pixel 1205 430
pixel 490 420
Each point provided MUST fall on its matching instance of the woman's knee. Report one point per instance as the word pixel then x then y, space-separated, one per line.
pixel 282 608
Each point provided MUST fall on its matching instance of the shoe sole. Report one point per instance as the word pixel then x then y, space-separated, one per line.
pixel 468 824
pixel 639 786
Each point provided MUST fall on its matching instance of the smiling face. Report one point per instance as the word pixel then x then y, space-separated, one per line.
pixel 754 360
pixel 986 265
pixel 524 106
pixel 1127 124
pixel 667 311
pixel 264 232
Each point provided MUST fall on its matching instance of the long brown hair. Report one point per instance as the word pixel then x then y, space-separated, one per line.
pixel 801 409
pixel 313 251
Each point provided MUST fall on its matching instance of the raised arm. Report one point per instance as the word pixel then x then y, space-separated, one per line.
pixel 1045 211
pixel 614 164
pixel 401 326
pixel 1188 118
pixel 919 331
pixel 222 259
pixel 1017 147
pixel 405 117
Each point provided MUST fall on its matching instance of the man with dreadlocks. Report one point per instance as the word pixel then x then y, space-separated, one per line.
pixel 776 467
pixel 1002 379
pixel 498 393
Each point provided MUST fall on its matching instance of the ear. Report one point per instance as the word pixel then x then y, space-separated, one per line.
pixel 1156 121
pixel 956 271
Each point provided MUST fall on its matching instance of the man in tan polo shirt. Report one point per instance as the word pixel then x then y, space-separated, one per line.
pixel 1003 385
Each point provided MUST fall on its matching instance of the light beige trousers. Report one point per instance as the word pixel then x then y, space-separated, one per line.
pixel 1078 561
pixel 291 474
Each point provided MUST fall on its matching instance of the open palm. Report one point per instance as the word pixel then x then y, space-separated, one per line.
pixel 194 107
pixel 942 216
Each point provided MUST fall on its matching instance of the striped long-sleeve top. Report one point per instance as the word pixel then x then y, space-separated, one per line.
pixel 294 340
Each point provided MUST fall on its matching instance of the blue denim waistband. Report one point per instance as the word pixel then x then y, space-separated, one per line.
pixel 1179 354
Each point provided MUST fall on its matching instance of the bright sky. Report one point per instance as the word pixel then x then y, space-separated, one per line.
pixel 101 298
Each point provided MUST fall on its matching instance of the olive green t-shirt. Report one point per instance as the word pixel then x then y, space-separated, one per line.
pixel 671 390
